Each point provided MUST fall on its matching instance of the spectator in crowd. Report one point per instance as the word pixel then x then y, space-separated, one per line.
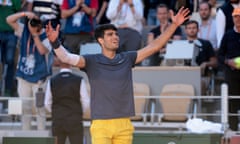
pixel 164 20
pixel 101 17
pixel 224 18
pixel 8 42
pixel 191 4
pixel 207 26
pixel 228 51
pixel 67 98
pixel 150 10
pixel 110 78
pixel 205 56
pixel 127 16
pixel 34 65
pixel 78 28
pixel 46 10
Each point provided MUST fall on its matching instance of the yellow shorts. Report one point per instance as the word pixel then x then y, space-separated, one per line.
pixel 112 131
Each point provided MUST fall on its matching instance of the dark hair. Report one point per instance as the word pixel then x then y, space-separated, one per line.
pixel 161 5
pixel 191 22
pixel 206 2
pixel 99 31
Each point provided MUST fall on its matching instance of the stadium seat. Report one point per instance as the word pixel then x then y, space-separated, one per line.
pixel 176 109
pixel 140 89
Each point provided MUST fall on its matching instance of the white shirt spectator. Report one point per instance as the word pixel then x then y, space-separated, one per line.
pixel 125 16
pixel 208 32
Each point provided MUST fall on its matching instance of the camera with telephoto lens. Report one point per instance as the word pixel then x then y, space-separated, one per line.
pixel 35 22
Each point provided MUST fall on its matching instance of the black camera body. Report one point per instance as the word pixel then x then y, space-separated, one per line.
pixel 35 22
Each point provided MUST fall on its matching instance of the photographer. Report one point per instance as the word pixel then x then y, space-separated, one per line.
pixel 49 10
pixel 34 65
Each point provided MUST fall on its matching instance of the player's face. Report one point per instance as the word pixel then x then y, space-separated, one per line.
pixel 110 40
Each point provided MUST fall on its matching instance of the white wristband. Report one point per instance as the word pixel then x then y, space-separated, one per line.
pixel 67 57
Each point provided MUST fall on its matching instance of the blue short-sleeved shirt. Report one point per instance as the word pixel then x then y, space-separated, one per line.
pixel 111 85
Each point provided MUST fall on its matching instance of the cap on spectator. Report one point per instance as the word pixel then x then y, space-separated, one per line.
pixel 236 11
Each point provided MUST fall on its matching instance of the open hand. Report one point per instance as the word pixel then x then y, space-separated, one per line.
pixel 180 17
pixel 52 34
pixel 79 2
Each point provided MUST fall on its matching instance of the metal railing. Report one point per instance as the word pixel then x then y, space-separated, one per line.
pixel 152 119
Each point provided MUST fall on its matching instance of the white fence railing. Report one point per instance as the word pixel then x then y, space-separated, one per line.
pixel 151 118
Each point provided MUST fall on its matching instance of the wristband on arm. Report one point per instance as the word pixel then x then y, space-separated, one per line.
pixel 56 44
pixel 66 57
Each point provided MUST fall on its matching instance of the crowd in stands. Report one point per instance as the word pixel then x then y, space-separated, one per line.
pixel 214 28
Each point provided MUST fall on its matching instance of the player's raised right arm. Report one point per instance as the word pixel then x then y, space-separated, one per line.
pixel 61 52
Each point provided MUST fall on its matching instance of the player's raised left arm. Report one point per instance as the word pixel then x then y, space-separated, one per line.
pixel 161 40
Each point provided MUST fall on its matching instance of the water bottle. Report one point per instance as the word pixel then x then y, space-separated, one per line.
pixel 40 97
